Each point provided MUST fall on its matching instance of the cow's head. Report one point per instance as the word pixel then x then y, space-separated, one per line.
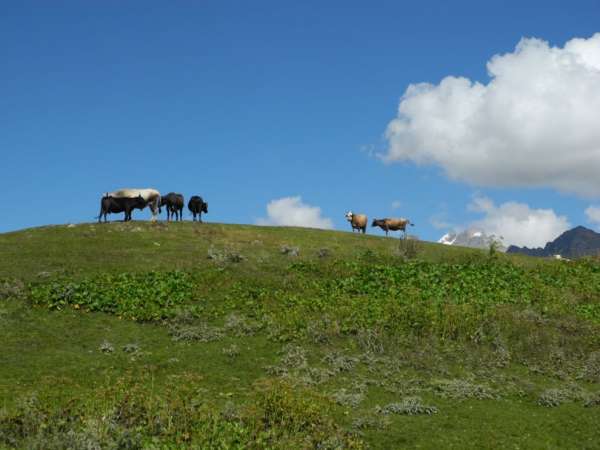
pixel 205 207
pixel 140 202
pixel 349 215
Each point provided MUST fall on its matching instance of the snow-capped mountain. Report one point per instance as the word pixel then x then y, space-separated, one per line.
pixel 472 238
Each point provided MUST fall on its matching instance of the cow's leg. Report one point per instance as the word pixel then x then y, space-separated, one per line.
pixel 154 208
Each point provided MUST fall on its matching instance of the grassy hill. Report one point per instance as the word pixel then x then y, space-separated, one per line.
pixel 184 335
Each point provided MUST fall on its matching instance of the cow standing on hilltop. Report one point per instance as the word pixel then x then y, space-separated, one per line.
pixel 357 221
pixel 109 204
pixel 197 206
pixel 173 203
pixel 151 196
pixel 392 224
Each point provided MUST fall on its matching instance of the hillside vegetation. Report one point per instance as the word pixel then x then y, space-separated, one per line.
pixel 187 335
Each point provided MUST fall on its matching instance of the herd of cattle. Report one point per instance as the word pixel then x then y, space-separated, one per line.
pixel 359 222
pixel 126 200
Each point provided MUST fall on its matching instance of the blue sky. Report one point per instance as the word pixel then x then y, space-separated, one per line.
pixel 246 103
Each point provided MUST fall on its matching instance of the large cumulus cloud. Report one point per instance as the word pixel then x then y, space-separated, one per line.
pixel 535 123
pixel 291 211
pixel 518 223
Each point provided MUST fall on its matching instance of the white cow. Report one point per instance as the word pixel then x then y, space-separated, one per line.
pixel 151 196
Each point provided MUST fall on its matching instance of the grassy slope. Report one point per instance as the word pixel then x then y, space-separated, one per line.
pixel 86 249
pixel 56 353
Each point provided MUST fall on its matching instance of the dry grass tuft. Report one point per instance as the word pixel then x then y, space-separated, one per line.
pixel 410 406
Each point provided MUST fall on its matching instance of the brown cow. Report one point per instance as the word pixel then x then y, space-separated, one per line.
pixel 392 224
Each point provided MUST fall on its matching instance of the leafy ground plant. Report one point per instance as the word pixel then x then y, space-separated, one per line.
pixel 139 296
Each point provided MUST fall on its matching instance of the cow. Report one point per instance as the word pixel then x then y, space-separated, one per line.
pixel 173 204
pixel 197 206
pixel 151 196
pixel 110 204
pixel 357 221
pixel 388 224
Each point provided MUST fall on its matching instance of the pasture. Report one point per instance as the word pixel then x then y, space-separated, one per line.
pixel 181 335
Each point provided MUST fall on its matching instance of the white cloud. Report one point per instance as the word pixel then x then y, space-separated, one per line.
pixel 517 223
pixel 534 124
pixel 593 214
pixel 291 211
pixel 396 204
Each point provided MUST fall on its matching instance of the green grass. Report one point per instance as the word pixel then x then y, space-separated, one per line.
pixel 131 336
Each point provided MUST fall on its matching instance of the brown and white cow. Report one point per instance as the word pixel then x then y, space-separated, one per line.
pixel 392 224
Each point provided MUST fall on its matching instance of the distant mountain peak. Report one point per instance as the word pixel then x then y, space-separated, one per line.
pixel 574 243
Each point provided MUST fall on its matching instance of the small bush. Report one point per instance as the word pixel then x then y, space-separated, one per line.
pixel 554 397
pixel 106 347
pixel 232 351
pixel 323 252
pixel 131 348
pixel 289 250
pixel 340 362
pixel 238 325
pixel 294 356
pixel 322 329
pixel 592 400
pixel 408 248
pixel 462 389
pixel 225 256
pixel 591 368
pixel 370 340
pixel 370 422
pixel 410 406
pixel 11 289
pixel 345 398
pixel 200 332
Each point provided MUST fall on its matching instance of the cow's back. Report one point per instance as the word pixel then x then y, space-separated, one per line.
pixel 147 194
pixel 396 224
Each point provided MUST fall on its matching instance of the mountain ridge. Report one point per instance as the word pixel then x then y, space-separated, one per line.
pixel 574 243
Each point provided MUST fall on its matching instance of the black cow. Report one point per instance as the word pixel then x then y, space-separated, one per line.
pixel 110 204
pixel 173 203
pixel 197 206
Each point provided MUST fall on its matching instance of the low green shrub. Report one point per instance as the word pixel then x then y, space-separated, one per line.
pixel 127 415
pixel 139 296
